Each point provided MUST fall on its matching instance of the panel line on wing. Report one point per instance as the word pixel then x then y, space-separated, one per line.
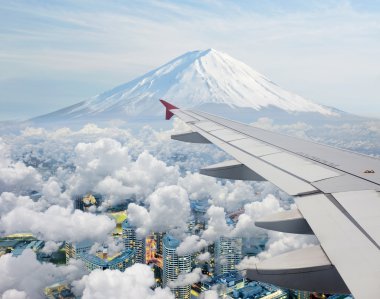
pixel 340 201
pixel 358 162
pixel 284 180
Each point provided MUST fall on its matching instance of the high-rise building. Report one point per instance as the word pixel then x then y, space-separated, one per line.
pixel 175 265
pixel 132 241
pixel 297 294
pixel 227 253
pixel 78 202
pixel 75 250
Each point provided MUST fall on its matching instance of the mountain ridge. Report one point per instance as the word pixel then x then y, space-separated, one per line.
pixel 191 80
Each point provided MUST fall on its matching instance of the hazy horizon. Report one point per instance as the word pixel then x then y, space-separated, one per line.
pixel 57 54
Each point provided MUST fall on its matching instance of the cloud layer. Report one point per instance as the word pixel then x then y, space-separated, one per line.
pixel 134 282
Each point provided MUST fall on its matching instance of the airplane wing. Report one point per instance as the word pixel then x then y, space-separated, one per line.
pixel 336 192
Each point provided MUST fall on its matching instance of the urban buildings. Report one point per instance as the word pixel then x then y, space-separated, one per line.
pixel 227 254
pixel 59 290
pixel 258 290
pixel 132 241
pixel 34 245
pixel 174 265
pixel 225 284
pixel 120 262
pixel 76 250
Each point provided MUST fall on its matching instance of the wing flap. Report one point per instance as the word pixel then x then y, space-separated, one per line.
pixel 303 269
pixel 349 250
pixel 285 181
pixel 290 221
pixel 232 170
pixel 192 137
pixel 364 207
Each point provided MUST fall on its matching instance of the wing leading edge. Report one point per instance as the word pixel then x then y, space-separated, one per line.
pixel 336 192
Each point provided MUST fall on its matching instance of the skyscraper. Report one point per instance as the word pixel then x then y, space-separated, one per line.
pixel 132 241
pixel 175 265
pixel 228 253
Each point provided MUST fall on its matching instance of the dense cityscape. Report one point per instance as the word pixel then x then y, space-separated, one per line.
pixel 188 275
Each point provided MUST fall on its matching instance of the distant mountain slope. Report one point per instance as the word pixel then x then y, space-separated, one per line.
pixel 200 78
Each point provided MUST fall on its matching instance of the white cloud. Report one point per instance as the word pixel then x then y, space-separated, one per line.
pixel 191 244
pixel 248 262
pixel 106 166
pixel 14 294
pixel 134 282
pixel 211 294
pixel 185 279
pixel 16 176
pixel 28 275
pixel 57 224
pixel 117 168
pixel 112 245
pixel 245 227
pixel 169 210
pixel 279 243
pixel 51 246
pixel 231 195
pixel 10 201
pixel 204 257
pixel 217 225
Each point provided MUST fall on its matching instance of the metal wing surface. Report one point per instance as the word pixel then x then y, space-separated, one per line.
pixel 336 192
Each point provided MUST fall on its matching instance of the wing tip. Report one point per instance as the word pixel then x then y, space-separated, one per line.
pixel 168 107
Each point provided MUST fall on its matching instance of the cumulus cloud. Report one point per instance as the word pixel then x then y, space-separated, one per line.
pixel 28 276
pixel 191 244
pixel 217 225
pixel 112 245
pixel 211 294
pixel 231 195
pixel 134 282
pixel 245 227
pixel 185 279
pixel 113 162
pixel 204 257
pixel 51 246
pixel 10 201
pixel 16 176
pixel 14 294
pixel 106 167
pixel 57 224
pixel 248 262
pixel 169 210
pixel 279 243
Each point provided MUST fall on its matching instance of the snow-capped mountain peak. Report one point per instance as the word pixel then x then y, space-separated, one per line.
pixel 193 79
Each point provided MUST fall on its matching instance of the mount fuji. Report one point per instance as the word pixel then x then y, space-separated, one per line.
pixel 209 80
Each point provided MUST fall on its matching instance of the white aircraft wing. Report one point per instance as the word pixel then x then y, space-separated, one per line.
pixel 336 192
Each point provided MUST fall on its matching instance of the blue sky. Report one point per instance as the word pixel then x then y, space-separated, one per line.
pixel 56 53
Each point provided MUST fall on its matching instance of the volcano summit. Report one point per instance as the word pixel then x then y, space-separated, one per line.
pixel 209 79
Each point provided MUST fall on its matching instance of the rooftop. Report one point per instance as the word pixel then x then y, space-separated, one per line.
pixel 171 242
pixel 106 263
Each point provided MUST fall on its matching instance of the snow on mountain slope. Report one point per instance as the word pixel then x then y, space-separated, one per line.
pixel 193 79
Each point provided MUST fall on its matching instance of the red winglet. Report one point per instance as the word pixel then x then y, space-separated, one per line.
pixel 168 107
